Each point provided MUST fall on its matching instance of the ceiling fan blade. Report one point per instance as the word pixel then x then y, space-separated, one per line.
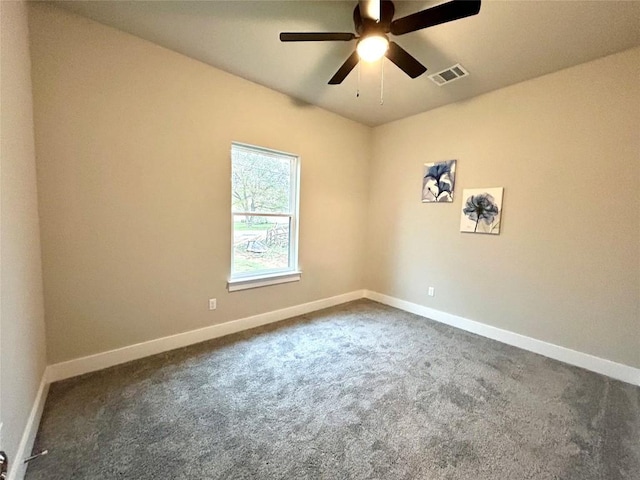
pixel 405 62
pixel 345 69
pixel 316 37
pixel 370 9
pixel 443 13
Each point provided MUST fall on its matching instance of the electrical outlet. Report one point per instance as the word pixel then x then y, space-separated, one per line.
pixel 213 304
pixel 432 291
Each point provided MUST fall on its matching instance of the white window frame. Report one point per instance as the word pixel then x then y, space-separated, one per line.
pixel 246 280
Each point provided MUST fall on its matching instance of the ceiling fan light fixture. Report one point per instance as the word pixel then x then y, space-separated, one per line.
pixel 372 47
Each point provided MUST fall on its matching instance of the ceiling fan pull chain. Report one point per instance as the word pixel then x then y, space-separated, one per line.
pixel 382 81
pixel 358 86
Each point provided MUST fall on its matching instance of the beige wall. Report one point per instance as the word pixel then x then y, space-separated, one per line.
pixel 22 347
pixel 565 268
pixel 133 145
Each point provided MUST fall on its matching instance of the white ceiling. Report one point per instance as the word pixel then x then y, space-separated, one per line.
pixel 506 43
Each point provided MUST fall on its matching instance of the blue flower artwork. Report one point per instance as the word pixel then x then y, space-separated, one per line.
pixel 438 182
pixel 481 210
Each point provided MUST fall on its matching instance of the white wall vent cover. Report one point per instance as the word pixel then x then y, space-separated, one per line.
pixel 449 75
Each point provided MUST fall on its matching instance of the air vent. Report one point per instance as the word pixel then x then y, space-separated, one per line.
pixel 449 75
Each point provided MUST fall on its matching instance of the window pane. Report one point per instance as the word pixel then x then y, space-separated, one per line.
pixel 260 181
pixel 260 243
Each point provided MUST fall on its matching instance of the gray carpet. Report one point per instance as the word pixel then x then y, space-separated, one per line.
pixel 360 391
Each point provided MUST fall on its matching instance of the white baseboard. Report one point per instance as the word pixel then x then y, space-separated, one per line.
pixel 18 468
pixel 91 363
pixel 611 369
pixel 79 366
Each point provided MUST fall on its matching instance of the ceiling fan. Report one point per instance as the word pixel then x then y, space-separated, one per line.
pixel 373 20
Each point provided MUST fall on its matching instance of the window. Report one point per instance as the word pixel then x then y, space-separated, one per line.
pixel 264 206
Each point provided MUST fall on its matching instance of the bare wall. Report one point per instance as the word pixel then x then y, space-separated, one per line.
pixel 22 339
pixel 565 267
pixel 133 145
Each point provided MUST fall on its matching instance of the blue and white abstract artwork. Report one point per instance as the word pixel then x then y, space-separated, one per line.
pixel 481 210
pixel 438 181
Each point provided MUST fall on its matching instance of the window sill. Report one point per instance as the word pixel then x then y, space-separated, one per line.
pixel 246 283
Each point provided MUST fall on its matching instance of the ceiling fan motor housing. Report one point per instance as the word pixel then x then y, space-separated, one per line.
pixel 368 26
